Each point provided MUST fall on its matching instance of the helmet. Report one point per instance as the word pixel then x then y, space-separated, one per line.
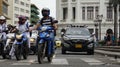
pixel 21 18
pixel 2 18
pixel 45 12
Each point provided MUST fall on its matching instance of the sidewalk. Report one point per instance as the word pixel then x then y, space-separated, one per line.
pixel 113 51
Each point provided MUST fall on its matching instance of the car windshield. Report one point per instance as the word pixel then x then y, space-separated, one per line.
pixel 78 31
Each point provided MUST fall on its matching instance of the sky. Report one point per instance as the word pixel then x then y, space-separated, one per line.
pixel 51 4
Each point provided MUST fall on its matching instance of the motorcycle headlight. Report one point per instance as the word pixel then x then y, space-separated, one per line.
pixel 32 40
pixel 18 36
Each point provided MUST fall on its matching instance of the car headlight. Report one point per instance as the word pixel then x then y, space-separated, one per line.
pixel 90 45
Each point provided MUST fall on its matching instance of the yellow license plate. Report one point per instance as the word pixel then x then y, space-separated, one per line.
pixel 78 46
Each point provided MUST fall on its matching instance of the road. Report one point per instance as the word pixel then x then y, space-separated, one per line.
pixel 69 60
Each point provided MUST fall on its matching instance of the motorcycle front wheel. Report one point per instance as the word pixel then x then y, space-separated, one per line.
pixel 40 53
pixel 18 52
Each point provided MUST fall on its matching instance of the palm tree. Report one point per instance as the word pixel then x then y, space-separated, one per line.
pixel 115 4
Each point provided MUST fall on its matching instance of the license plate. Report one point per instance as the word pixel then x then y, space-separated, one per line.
pixel 78 46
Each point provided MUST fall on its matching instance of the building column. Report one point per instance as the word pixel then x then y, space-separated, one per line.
pixel 86 13
pixel 69 17
pixel 78 12
pixel 94 9
pixel 59 11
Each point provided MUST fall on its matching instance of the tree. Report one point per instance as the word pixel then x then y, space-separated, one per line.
pixel 115 4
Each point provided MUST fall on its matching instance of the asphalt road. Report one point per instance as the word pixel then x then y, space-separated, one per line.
pixel 69 60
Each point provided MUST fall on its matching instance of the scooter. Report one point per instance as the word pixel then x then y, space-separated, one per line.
pixel 21 46
pixel 44 43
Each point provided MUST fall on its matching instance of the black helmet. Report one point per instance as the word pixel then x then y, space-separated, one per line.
pixel 45 12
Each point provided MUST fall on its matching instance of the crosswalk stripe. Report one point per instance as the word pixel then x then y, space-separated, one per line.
pixel 27 61
pixel 2 60
pixel 21 64
pixel 24 62
pixel 59 62
pixel 92 61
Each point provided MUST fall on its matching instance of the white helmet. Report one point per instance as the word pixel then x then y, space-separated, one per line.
pixel 2 18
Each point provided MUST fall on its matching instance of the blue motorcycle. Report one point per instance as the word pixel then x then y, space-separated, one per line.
pixel 44 43
pixel 21 46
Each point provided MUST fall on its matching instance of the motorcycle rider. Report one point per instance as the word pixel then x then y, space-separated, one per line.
pixel 3 26
pixel 47 20
pixel 22 26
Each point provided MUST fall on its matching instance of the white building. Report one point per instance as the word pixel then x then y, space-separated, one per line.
pixel 17 8
pixel 85 12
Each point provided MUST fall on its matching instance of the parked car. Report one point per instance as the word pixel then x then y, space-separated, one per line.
pixel 77 39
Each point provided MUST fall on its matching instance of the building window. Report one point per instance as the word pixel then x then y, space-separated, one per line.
pixel 90 13
pixel 17 1
pixel 83 13
pixel 64 0
pixel 27 5
pixel 74 12
pixel 5 8
pixel 27 11
pixel 22 10
pixel 96 11
pixel 65 13
pixel 22 3
pixel 16 9
pixel 15 22
pixel 109 14
pixel 16 15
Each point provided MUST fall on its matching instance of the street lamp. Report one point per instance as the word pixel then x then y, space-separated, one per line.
pixel 96 29
pixel 99 20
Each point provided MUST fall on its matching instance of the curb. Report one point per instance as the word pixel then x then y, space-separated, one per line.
pixel 109 53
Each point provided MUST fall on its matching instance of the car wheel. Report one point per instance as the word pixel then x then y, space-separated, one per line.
pixel 90 52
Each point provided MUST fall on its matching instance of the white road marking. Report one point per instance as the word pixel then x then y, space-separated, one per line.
pixel 92 61
pixel 21 64
pixel 2 60
pixel 59 62
pixel 24 62
pixel 27 61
